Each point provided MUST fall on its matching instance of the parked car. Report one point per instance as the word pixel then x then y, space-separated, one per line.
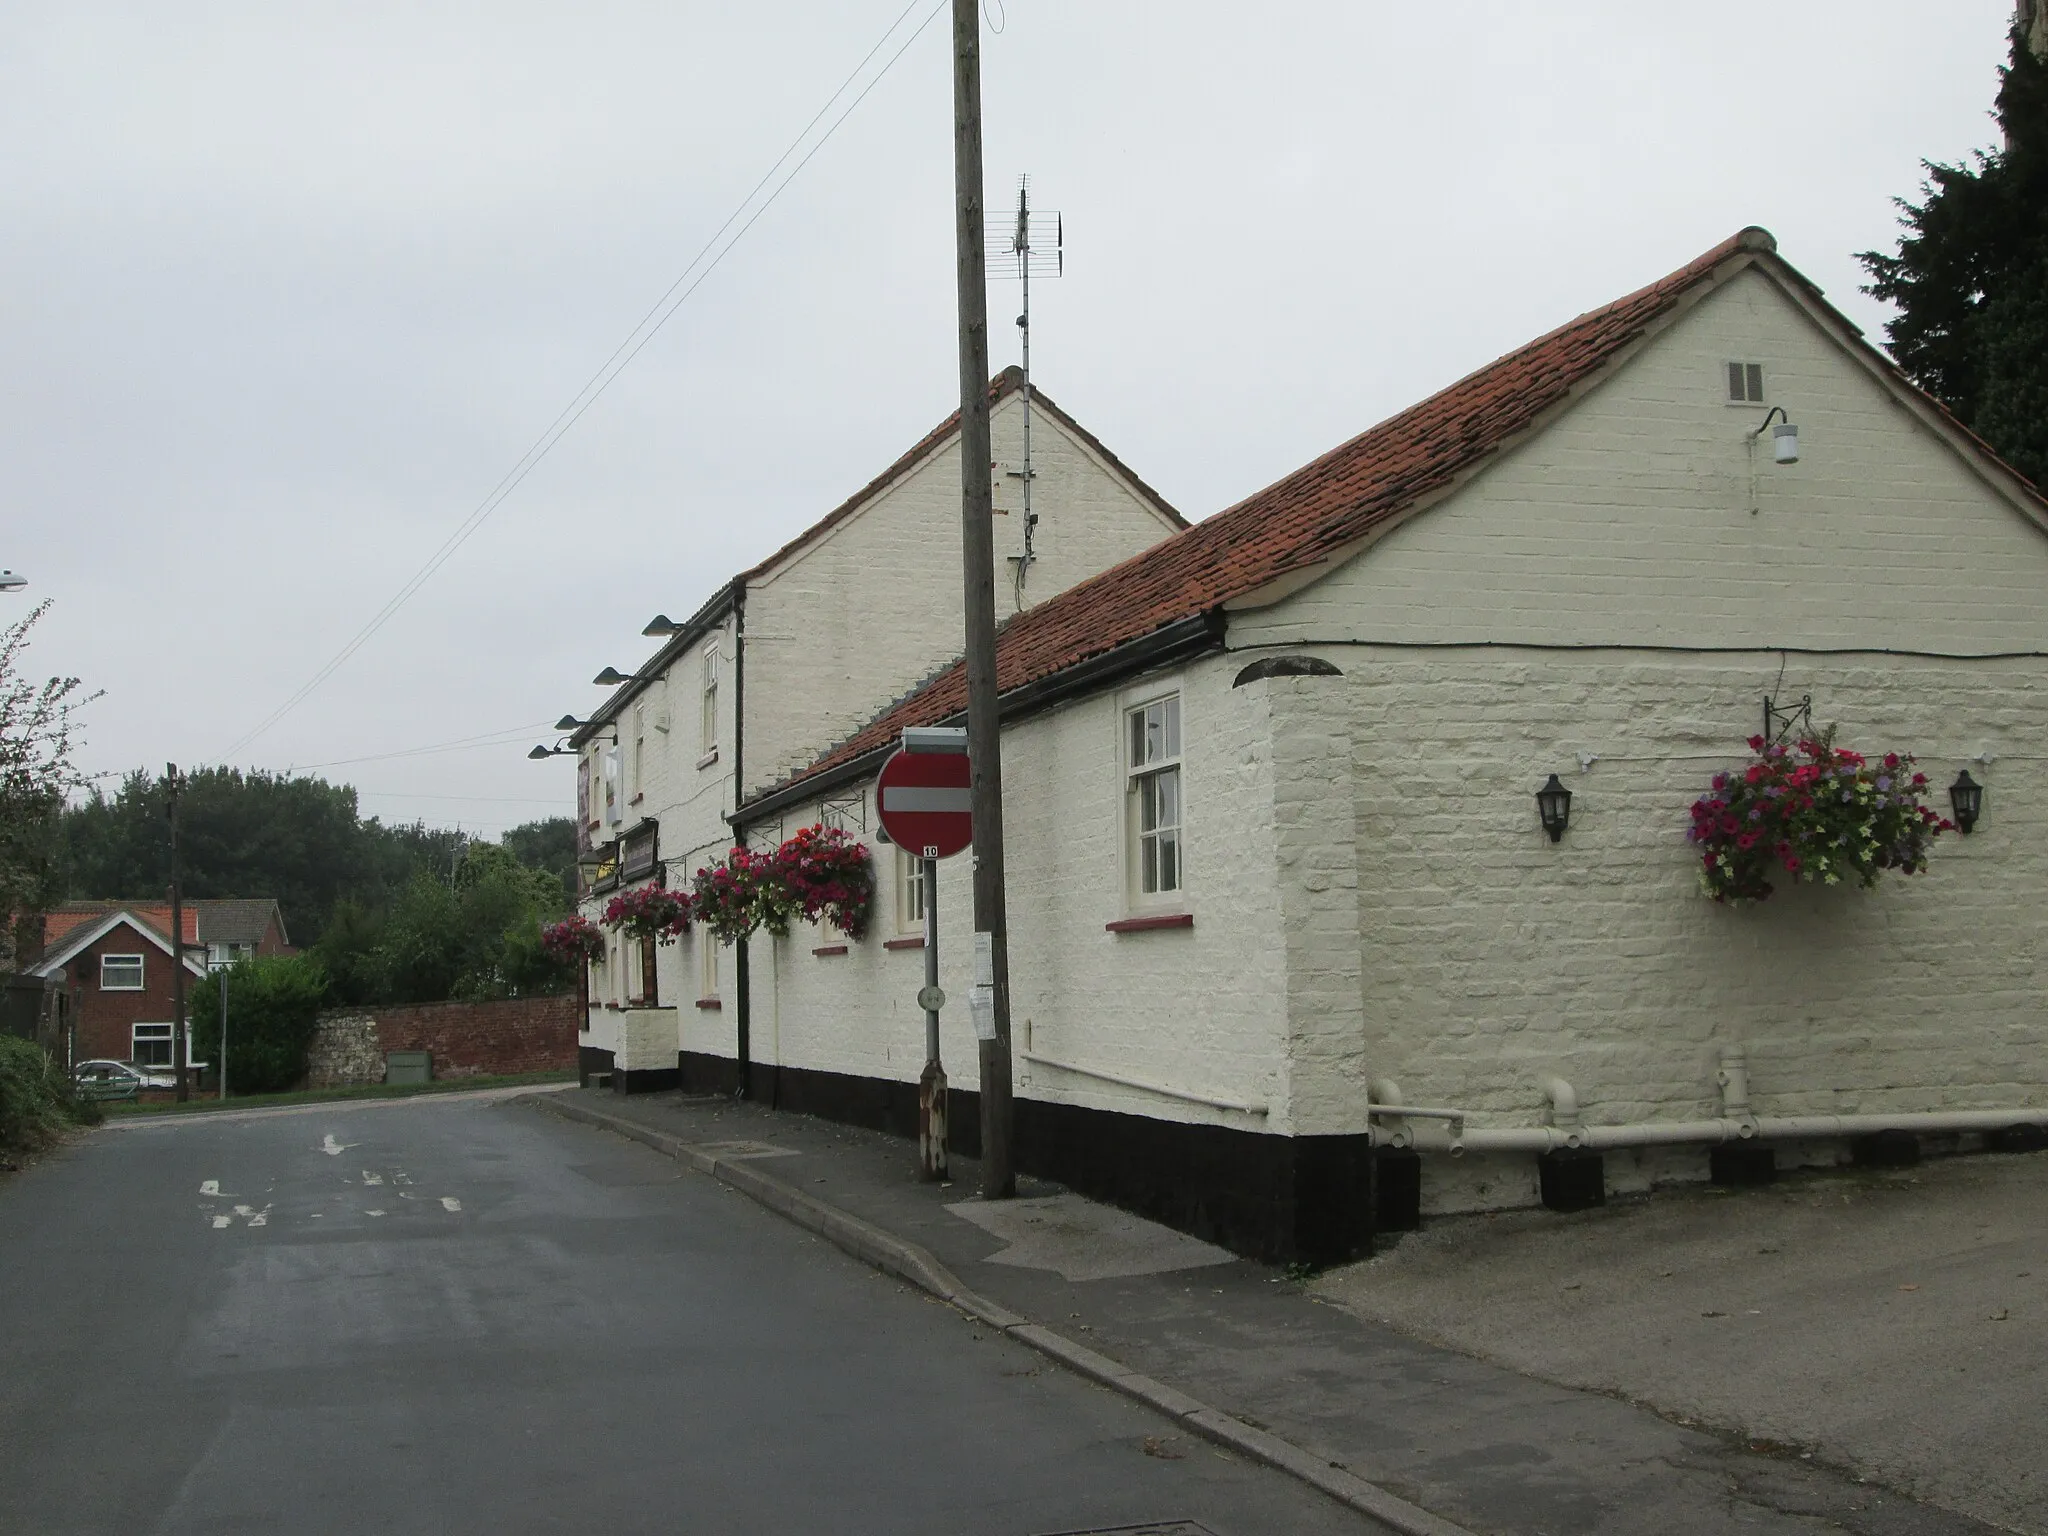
pixel 119 1079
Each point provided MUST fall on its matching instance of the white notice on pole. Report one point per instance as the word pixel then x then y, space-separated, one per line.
pixel 981 1006
pixel 985 962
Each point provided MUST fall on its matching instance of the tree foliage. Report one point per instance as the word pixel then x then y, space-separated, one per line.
pixel 476 935
pixel 298 839
pixel 274 1001
pixel 1970 277
pixel 36 771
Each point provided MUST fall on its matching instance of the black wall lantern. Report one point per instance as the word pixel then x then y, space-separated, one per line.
pixel 1967 796
pixel 1554 805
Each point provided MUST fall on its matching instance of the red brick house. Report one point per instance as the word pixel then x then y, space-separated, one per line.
pixel 111 962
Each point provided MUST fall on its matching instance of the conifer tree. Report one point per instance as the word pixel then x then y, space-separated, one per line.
pixel 1970 277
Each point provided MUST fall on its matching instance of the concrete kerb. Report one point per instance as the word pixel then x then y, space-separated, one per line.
pixel 908 1261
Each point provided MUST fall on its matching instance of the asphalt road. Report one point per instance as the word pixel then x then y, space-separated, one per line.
pixel 464 1316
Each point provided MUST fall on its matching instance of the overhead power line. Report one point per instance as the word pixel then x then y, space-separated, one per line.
pixel 673 298
pixel 498 738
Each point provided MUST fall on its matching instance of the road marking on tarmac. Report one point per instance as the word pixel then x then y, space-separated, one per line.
pixel 210 1187
pixel 450 1203
pixel 222 1221
pixel 335 1148
pixel 372 1178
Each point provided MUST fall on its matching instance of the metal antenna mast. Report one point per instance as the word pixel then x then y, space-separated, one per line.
pixel 1034 242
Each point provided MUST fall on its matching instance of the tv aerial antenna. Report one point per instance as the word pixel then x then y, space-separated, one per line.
pixel 1033 243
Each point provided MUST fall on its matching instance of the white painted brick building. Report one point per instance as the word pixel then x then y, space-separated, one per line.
pixel 788 658
pixel 1577 561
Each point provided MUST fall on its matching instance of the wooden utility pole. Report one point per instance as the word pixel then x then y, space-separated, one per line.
pixel 977 547
pixel 180 1053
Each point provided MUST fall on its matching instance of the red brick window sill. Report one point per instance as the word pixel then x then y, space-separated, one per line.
pixel 829 949
pixel 710 1004
pixel 1147 924
pixel 903 943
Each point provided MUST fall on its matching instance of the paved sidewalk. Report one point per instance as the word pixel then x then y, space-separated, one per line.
pixel 1474 1443
pixel 1886 1320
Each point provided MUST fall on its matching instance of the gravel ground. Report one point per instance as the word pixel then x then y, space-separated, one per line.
pixel 1894 1324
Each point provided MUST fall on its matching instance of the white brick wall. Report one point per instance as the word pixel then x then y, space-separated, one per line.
pixel 1627 521
pixel 1492 958
pixel 1202 1009
pixel 875 607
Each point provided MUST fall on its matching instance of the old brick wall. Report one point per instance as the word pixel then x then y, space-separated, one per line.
pixel 513 1035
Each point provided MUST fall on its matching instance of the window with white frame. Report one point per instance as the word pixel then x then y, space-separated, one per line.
pixel 639 751
pixel 909 892
pixel 707 720
pixel 1152 770
pixel 152 1046
pixel 120 973
pixel 707 964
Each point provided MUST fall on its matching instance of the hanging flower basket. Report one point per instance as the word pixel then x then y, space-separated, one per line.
pixel 649 912
pixel 572 941
pixel 830 876
pixel 1816 811
pixel 745 893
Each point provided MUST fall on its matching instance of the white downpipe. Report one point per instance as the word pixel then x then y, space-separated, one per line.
pixel 1242 1106
pixel 1735 1123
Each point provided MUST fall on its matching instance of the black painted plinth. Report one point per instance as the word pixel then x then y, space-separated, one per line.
pixel 2018 1138
pixel 1886 1149
pixel 645 1080
pixel 1397 1181
pixel 1280 1199
pixel 1742 1165
pixel 591 1062
pixel 1573 1179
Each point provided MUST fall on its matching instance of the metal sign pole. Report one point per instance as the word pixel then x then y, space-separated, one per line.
pixel 931 1086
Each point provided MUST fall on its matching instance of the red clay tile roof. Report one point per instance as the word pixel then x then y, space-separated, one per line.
pixel 1310 516
pixel 1004 384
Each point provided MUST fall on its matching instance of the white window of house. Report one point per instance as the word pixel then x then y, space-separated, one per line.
pixel 1152 767
pixel 909 893
pixel 120 973
pixel 707 720
pixel 152 1045
pixel 614 799
pixel 707 964
pixel 639 751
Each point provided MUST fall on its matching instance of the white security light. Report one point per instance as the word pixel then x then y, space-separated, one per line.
pixel 1784 436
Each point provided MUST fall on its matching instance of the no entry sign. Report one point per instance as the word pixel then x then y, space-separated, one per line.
pixel 924 803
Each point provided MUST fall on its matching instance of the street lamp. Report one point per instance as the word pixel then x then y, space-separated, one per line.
pixel 611 677
pixel 12 581
pixel 662 624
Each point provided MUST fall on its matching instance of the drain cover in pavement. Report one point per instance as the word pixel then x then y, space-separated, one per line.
pixel 740 1149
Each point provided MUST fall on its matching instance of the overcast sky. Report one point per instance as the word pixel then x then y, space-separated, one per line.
pixel 285 290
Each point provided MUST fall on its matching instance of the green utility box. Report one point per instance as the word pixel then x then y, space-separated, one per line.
pixel 408 1066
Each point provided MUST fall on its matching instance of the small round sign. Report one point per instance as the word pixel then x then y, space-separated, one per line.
pixel 931 999
pixel 926 804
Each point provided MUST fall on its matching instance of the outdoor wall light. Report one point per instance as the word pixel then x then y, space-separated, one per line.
pixel 540 753
pixel 1967 796
pixel 611 677
pixel 662 624
pixel 1784 436
pixel 567 723
pixel 1554 805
